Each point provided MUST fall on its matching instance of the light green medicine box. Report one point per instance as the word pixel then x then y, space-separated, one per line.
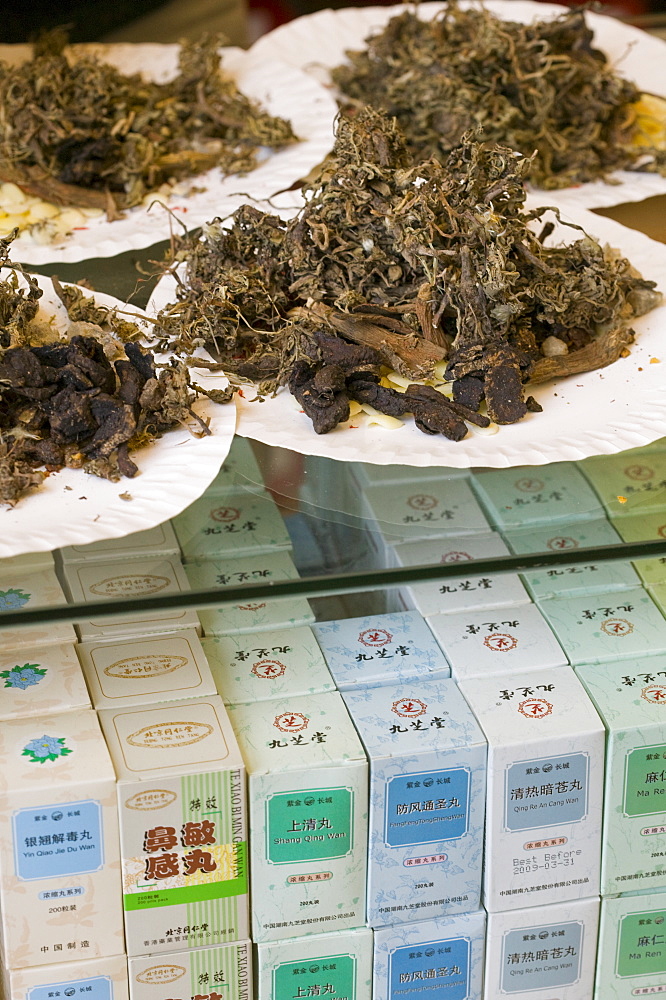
pixel 252 615
pixel 628 484
pixel 631 699
pixel 597 627
pixel 231 525
pixel 249 668
pixel 631 960
pixel 587 577
pixel 650 526
pixel 531 494
pixel 337 965
pixel 308 795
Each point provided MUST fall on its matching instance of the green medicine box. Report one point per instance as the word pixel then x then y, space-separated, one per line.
pixel 308 793
pixel 337 965
pixel 631 699
pixel 631 960
pixel 593 628
pixel 577 578
pixel 629 484
pixel 531 494
pixel 646 527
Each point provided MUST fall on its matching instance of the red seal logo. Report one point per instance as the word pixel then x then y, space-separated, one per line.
pixel 409 708
pixel 535 708
pixel 529 485
pixel 268 669
pixel 562 542
pixel 640 472
pixel 661 531
pixel 655 694
pixel 225 514
pixel 617 627
pixel 500 642
pixel 422 501
pixel 375 637
pixel 291 722
pixel 450 557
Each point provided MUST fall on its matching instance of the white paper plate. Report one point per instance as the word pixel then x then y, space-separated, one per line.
pixel 318 42
pixel 600 412
pixel 72 507
pixel 281 89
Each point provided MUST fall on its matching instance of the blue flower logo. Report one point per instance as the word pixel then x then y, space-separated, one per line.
pixel 12 600
pixel 45 748
pixel 23 677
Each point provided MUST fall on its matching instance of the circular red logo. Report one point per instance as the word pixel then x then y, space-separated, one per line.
pixel 535 708
pixel 617 627
pixel 268 669
pixel 661 531
pixel 529 485
pixel 409 708
pixel 500 642
pixel 422 501
pixel 374 637
pixel 225 514
pixel 655 694
pixel 562 542
pixel 640 472
pixel 451 557
pixel 291 722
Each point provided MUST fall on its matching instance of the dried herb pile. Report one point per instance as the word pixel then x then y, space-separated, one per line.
pixel 540 86
pixel 76 131
pixel 85 401
pixel 393 266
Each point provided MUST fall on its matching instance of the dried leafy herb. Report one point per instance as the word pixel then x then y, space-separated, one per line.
pixel 540 86
pixel 84 400
pixel 76 131
pixel 422 266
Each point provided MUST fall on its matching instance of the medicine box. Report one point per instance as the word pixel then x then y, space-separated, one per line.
pixel 587 577
pixel 380 649
pixel 29 588
pixel 252 615
pixel 308 796
pixel 531 494
pixel 367 474
pixel 631 699
pixel 647 527
pixel 427 787
pixel 337 964
pixel 631 960
pixel 183 830
pixel 152 543
pixel 124 581
pixel 412 511
pixel 628 484
pixel 545 784
pixel 60 879
pixel 231 525
pixel 168 666
pixel 546 952
pixel 496 641
pixel 440 959
pixel 223 972
pixel 275 664
pixel 594 628
pixel 468 590
pixel 94 979
pixel 40 681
